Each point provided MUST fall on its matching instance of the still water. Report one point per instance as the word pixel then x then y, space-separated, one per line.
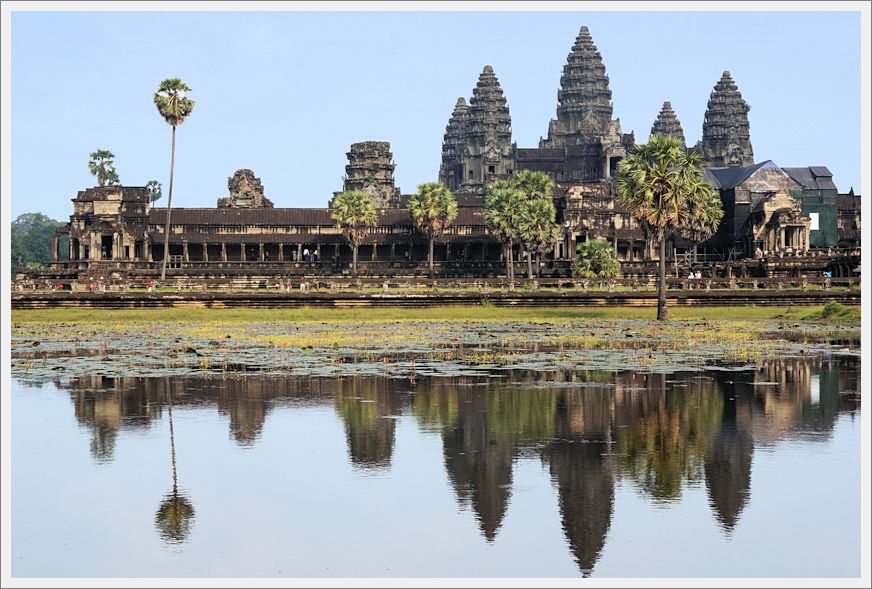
pixel 752 472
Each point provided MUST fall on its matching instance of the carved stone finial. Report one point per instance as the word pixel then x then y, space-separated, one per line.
pixel 246 191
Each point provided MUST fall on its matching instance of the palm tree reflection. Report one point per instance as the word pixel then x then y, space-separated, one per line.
pixel 175 515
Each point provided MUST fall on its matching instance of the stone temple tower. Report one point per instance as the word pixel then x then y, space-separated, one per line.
pixel 487 134
pixel 668 124
pixel 584 101
pixel 453 147
pixel 726 133
pixel 584 127
pixel 370 169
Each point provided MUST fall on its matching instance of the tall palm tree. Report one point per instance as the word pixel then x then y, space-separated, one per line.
pixel 102 165
pixel 662 185
pixel 174 107
pixel 538 229
pixel 154 190
pixel 432 209
pixel 502 209
pixel 355 213
pixel 535 186
pixel 705 216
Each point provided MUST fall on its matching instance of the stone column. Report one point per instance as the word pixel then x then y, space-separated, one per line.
pixel 393 251
pixel 465 252
pixel 55 254
pixel 223 252
pixel 336 250
pixel 447 252
pixel 260 252
pixel 318 251
pixel 781 238
pixel 205 252
pixel 299 252
pixel 243 255
pixel 606 170
pixel 281 252
pixel 185 251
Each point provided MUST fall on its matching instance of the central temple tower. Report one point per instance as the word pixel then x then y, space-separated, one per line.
pixel 584 128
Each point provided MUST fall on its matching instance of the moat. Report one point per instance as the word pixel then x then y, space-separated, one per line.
pixel 746 470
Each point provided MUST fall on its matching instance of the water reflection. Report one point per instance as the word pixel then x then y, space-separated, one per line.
pixel 175 515
pixel 591 430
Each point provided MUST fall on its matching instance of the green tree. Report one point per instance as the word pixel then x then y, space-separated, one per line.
pixel 538 230
pixel 174 107
pixel 596 259
pixel 432 209
pixel 355 213
pixel 30 240
pixel 102 165
pixel 154 190
pixel 662 185
pixel 705 216
pixel 502 211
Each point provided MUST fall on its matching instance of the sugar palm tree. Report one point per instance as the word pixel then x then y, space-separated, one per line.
pixel 535 186
pixel 538 229
pixel 432 209
pixel 502 208
pixel 154 191
pixel 355 213
pixel 102 165
pixel 174 107
pixel 705 217
pixel 662 186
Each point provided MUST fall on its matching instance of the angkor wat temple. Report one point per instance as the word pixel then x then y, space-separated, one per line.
pixel 787 213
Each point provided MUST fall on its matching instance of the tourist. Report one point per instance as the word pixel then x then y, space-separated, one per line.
pixel 306 255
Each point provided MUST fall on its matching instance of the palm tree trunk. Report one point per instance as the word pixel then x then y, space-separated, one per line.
pixel 430 258
pixel 354 260
pixel 530 265
pixel 510 246
pixel 661 286
pixel 166 253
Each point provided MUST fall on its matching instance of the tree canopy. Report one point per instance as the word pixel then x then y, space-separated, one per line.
pixel 30 239
pixel 171 102
pixel 102 165
pixel 596 259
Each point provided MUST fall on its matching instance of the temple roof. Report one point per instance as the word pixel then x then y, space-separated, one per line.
pixel 726 178
pixel 812 177
pixel 291 217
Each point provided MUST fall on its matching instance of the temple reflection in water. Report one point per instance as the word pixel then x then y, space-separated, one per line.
pixel 591 430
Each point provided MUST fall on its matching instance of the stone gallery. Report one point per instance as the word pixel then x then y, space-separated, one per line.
pixel 771 212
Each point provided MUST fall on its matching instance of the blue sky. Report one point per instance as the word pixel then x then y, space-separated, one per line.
pixel 286 93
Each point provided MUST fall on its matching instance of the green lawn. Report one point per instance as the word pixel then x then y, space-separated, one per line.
pixel 847 314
